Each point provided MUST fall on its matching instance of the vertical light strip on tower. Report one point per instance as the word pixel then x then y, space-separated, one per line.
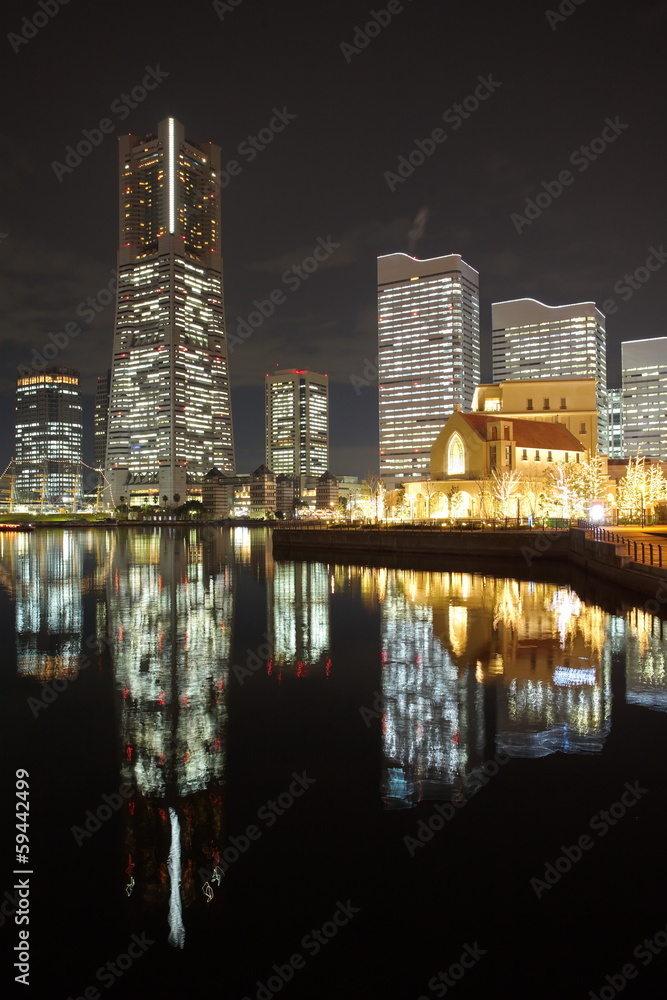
pixel 171 180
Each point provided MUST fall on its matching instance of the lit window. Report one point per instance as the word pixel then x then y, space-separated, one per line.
pixel 456 464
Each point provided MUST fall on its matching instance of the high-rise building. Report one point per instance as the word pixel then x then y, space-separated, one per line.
pixel 101 418
pixel 49 436
pixel 170 410
pixel 615 447
pixel 644 367
pixel 428 313
pixel 297 423
pixel 532 340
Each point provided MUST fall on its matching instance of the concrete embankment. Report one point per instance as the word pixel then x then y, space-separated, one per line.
pixel 524 545
pixel 608 560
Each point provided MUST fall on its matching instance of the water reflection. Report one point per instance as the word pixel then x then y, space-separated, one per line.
pixel 448 638
pixel 47 574
pixel 639 636
pixel 170 608
pixel 470 665
pixel 299 619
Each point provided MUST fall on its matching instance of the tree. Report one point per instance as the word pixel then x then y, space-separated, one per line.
pixel 642 486
pixel 537 494
pixel 177 497
pixel 429 490
pixel 483 485
pixel 504 486
pixel 454 497
pixel 164 499
pixel 376 490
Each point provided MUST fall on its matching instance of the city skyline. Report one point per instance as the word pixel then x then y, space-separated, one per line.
pixel 282 161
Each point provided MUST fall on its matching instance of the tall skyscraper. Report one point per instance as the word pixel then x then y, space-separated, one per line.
pixel 532 340
pixel 49 436
pixel 170 410
pixel 428 355
pixel 644 365
pixel 615 447
pixel 101 418
pixel 297 423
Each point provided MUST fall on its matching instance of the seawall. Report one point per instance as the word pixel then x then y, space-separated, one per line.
pixel 607 560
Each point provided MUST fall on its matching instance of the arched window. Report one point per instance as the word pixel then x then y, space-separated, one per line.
pixel 456 457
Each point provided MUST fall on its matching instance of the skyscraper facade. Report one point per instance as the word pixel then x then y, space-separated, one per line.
pixel 297 423
pixel 644 374
pixel 532 340
pixel 428 318
pixel 101 418
pixel 170 410
pixel 615 446
pixel 49 436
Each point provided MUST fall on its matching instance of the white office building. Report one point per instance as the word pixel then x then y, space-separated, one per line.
pixel 532 340
pixel 297 423
pixel 644 367
pixel 169 410
pixel 428 319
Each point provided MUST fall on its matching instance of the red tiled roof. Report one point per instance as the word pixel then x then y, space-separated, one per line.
pixel 528 433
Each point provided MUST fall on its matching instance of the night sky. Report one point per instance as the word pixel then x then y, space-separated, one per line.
pixel 554 80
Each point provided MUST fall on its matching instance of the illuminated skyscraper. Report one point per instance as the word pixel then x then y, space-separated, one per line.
pixel 49 434
pixel 644 402
pixel 170 410
pixel 297 423
pixel 532 340
pixel 101 418
pixel 615 447
pixel 428 355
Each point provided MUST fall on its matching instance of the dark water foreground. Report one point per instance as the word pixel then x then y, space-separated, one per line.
pixel 251 778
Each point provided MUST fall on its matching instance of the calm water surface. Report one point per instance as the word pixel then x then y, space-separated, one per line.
pixel 323 780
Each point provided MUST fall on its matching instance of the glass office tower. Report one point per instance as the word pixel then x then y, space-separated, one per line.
pixel 170 410
pixel 428 318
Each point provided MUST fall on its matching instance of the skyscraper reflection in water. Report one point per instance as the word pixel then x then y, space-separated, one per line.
pixel 639 636
pixel 46 575
pixel 460 649
pixel 171 606
pixel 299 621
